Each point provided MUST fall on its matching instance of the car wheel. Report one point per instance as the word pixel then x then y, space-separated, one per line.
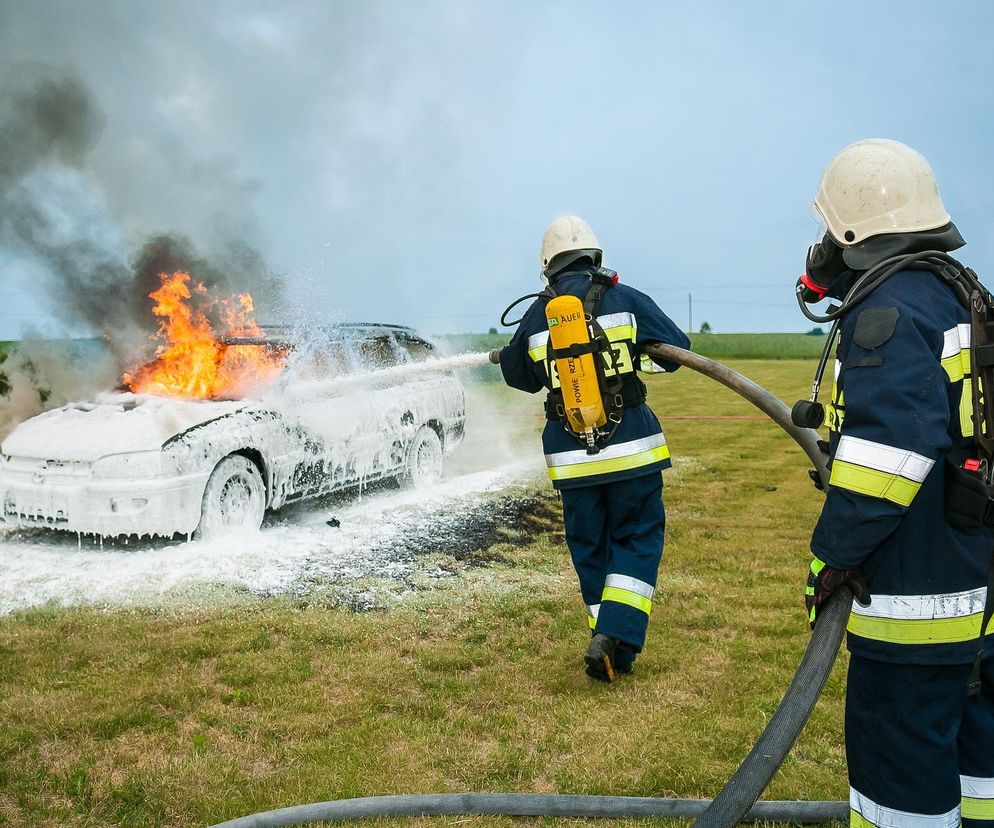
pixel 424 459
pixel 235 498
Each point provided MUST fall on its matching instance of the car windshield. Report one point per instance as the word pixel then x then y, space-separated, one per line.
pixel 417 350
pixel 376 352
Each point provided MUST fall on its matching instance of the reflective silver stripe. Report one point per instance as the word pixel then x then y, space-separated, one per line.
pixel 611 320
pixel 955 340
pixel 892 818
pixel 573 458
pixel 838 369
pixel 925 607
pixel 593 610
pixel 615 320
pixel 883 458
pixel 630 584
pixel 538 340
pixel 977 787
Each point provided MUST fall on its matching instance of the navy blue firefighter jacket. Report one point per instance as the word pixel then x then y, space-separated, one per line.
pixel 902 401
pixel 630 320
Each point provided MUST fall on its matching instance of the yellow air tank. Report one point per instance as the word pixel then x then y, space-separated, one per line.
pixel 577 375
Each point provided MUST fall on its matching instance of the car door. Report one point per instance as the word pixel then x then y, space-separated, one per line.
pixel 327 420
pixel 385 402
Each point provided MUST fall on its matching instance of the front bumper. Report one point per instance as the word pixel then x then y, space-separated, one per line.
pixel 79 503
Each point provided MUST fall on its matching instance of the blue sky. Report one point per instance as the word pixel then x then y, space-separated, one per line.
pixel 399 161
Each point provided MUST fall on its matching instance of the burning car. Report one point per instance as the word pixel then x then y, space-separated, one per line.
pixel 201 463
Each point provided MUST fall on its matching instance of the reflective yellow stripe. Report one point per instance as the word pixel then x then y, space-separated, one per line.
pixel 977 808
pixel 834 415
pixel 616 333
pixel 874 483
pixel 622 356
pixel 857 820
pixel 957 366
pixel 591 621
pixel 835 411
pixel 614 464
pixel 865 812
pixel 966 408
pixel 620 333
pixel 624 596
pixel 917 631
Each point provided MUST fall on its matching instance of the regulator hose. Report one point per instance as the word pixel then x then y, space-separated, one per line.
pixel 737 801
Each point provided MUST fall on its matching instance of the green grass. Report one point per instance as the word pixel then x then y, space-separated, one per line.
pixel 758 346
pixel 145 718
pixel 717 346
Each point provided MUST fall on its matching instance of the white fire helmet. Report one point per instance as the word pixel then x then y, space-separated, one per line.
pixel 564 234
pixel 878 186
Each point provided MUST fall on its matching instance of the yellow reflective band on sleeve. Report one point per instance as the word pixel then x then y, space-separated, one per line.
pixel 917 631
pixel 955 356
pixel 957 366
pixel 874 483
pixel 624 596
pixel 966 408
pixel 610 465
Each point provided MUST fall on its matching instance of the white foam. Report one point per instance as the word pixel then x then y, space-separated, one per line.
pixel 38 568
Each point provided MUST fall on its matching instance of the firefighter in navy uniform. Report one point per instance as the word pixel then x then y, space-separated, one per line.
pixel 612 494
pixel 920 694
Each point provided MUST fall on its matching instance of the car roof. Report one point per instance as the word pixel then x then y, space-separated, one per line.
pixel 341 331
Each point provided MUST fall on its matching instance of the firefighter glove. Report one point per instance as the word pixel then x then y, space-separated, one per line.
pixel 823 580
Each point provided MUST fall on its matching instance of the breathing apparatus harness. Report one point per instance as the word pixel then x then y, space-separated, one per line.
pixel 612 394
pixel 969 502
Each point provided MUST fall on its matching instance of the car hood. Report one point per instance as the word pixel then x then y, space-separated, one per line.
pixel 113 424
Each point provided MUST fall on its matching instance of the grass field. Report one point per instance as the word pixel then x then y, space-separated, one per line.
pixel 147 718
pixel 717 346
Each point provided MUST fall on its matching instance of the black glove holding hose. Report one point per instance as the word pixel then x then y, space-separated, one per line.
pixel 823 580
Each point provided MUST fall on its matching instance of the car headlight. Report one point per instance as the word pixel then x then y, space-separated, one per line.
pixel 132 464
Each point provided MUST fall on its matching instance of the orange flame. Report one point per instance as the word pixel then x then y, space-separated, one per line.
pixel 192 362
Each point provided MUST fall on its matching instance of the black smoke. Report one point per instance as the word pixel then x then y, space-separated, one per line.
pixel 52 211
pixel 97 276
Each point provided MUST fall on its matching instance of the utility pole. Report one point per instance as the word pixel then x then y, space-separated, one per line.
pixel 690 312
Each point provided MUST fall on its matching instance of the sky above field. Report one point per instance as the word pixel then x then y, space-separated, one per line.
pixel 398 161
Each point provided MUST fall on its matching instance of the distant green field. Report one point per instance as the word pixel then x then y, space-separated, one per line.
pixel 717 346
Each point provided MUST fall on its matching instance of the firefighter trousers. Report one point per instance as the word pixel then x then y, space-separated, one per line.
pixel 614 532
pixel 920 750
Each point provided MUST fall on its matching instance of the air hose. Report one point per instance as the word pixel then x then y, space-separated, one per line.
pixel 737 801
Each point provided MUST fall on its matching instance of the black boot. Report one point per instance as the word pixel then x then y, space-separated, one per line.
pixel 600 657
pixel 624 658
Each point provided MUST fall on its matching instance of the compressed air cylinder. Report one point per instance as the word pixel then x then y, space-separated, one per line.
pixel 577 375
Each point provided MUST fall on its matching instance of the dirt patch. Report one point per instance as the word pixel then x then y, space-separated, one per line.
pixel 470 534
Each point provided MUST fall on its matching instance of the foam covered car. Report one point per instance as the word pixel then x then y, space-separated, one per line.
pixel 127 464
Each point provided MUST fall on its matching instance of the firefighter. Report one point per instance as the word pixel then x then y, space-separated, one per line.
pixel 612 491
pixel 919 723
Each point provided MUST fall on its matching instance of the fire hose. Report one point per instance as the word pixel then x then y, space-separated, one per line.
pixel 737 800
